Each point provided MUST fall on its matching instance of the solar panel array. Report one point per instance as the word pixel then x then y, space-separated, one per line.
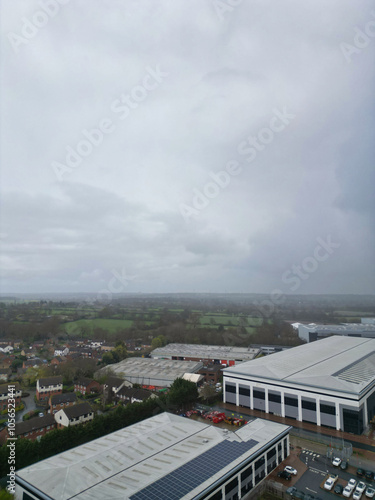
pixel 361 371
pixel 186 478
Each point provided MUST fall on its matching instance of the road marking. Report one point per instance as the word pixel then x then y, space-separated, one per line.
pixel 313 491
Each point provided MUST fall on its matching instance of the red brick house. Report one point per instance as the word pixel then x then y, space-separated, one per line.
pixel 130 395
pixel 86 386
pixel 32 429
pixel 46 387
pixel 4 393
pixel 59 401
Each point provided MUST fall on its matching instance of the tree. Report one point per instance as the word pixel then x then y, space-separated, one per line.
pixel 208 392
pixel 182 392
pixel 159 341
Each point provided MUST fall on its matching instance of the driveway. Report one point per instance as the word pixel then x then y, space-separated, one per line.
pixel 29 405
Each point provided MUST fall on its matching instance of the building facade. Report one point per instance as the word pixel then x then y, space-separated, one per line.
pixel 46 387
pixel 329 383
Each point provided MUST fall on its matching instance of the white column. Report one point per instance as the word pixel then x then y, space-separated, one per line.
pixel 299 408
pixel 252 397
pixel 365 416
pixel 338 419
pixel 265 464
pixel 224 399
pixel 317 402
pixel 282 403
pixel 266 402
pixel 237 395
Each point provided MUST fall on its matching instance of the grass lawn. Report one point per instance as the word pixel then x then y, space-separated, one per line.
pixel 111 325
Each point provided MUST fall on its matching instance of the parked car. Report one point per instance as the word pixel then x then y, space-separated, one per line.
pixel 344 465
pixel 361 486
pixel 338 489
pixel 291 490
pixel 336 461
pixel 328 485
pixel 352 483
pixel 360 472
pixel 370 492
pixel 357 495
pixel 347 491
pixel 284 475
pixel 291 470
pixel 369 475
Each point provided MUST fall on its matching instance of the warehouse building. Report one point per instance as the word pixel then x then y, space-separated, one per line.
pixel 152 373
pixel 217 354
pixel 164 457
pixel 312 332
pixel 330 383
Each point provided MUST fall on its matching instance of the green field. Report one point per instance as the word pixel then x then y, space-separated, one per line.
pixel 75 328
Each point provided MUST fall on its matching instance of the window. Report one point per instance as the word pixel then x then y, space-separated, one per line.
pixel 291 401
pixel 244 391
pixel 258 394
pixel 330 410
pixel 275 398
pixel 309 405
pixel 230 388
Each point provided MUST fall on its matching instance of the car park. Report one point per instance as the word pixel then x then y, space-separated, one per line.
pixel 291 470
pixel 370 492
pixel 336 461
pixel 338 489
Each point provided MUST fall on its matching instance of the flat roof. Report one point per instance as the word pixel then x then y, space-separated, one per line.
pixel 341 328
pixel 158 372
pixel 336 363
pixel 154 457
pixel 207 351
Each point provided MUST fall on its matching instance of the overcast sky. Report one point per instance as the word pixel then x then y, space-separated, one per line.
pixel 236 150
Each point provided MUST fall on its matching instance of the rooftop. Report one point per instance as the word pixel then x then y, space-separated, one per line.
pixel 206 351
pixel 157 372
pixel 345 364
pixel 50 381
pixel 156 458
pixel 34 424
pixel 77 410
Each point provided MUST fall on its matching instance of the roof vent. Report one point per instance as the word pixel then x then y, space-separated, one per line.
pixel 205 440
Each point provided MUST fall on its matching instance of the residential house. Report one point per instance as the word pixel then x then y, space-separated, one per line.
pixel 212 373
pixel 61 352
pixel 4 394
pixel 59 401
pixel 130 395
pixel 112 385
pixel 32 363
pixel 108 346
pixel 57 360
pixel 86 385
pixel 4 374
pixel 7 349
pixel 32 429
pixel 74 415
pixel 46 387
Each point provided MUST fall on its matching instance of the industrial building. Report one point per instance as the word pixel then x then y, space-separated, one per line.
pixel 152 373
pixel 217 354
pixel 164 457
pixel 312 332
pixel 330 383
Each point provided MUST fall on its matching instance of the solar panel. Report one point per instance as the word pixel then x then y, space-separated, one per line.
pixel 187 477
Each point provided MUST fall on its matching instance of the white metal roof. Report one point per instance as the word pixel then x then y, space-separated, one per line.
pixel 206 351
pixel 326 363
pixel 121 464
